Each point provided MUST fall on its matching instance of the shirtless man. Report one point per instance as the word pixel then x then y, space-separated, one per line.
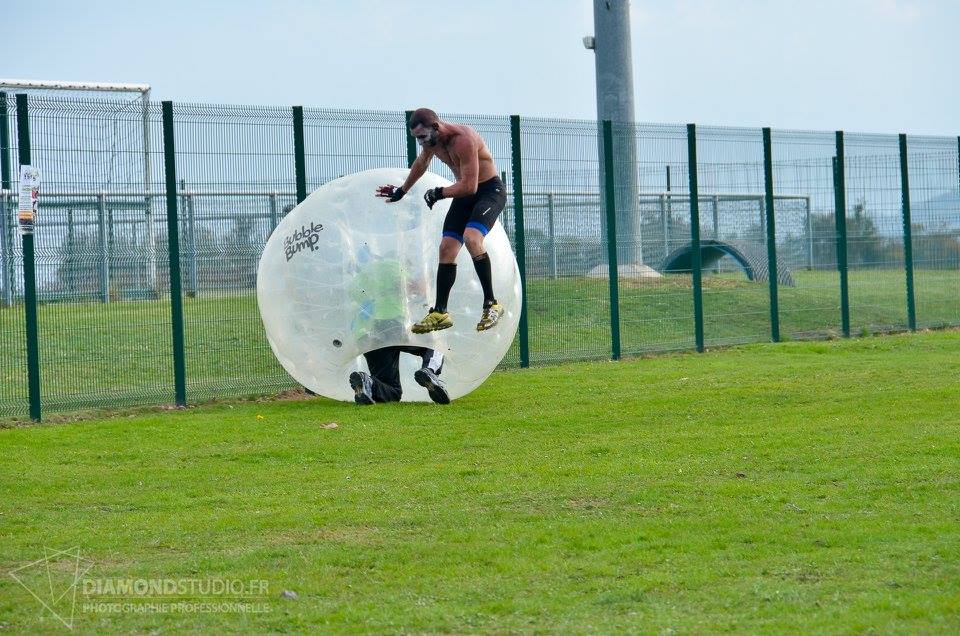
pixel 478 199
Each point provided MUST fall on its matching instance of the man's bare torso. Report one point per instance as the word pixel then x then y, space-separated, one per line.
pixel 488 169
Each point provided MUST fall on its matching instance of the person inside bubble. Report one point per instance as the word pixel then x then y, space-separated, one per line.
pixel 379 289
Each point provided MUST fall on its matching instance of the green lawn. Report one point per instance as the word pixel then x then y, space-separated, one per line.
pixel 805 487
pixel 120 353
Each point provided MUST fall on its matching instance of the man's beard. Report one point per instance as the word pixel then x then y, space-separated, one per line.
pixel 431 141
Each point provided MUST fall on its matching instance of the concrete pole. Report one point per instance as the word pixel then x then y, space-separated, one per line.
pixel 614 68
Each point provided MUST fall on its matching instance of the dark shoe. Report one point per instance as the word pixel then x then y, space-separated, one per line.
pixel 362 385
pixel 429 380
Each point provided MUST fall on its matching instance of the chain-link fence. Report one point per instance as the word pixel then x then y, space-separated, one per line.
pixel 733 235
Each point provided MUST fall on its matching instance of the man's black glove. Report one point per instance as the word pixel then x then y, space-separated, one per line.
pixel 391 193
pixel 432 196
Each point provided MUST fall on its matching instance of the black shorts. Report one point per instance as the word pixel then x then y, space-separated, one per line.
pixel 479 210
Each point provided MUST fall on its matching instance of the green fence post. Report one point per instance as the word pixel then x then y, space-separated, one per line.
pixel 907 233
pixel 173 243
pixel 6 244
pixel 411 142
pixel 695 266
pixel 771 235
pixel 840 201
pixel 29 272
pixel 613 275
pixel 516 160
pixel 299 154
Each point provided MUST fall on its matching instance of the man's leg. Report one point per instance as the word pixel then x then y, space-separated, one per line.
pixel 492 310
pixel 384 365
pixel 490 200
pixel 438 317
pixel 473 239
pixel 429 358
pixel 447 269
pixel 453 225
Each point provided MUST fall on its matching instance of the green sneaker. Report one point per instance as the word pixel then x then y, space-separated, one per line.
pixel 491 316
pixel 433 321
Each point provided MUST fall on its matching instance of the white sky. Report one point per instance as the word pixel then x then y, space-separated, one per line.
pixel 859 65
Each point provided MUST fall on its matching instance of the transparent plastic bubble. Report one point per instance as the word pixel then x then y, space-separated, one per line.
pixel 345 273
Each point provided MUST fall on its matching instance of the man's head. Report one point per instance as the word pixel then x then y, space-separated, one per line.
pixel 425 126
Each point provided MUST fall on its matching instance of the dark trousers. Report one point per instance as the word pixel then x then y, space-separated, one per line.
pixel 384 365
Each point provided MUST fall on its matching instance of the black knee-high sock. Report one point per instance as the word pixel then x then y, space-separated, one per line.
pixel 446 274
pixel 482 265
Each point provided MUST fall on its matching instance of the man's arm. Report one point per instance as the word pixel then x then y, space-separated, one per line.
pixel 469 160
pixel 417 169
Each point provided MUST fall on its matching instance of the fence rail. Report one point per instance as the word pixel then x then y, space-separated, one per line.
pixel 144 295
pixel 102 205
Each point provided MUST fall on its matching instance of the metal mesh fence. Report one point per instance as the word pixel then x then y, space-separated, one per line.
pixel 93 253
pixel 655 295
pixel 343 142
pixel 13 348
pixel 735 306
pixel 935 215
pixel 807 238
pixel 235 180
pixel 875 233
pixel 568 309
pixel 103 276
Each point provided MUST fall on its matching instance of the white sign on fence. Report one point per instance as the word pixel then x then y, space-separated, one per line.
pixel 29 198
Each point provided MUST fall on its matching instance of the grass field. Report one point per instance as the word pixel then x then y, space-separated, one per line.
pixel 95 355
pixel 806 487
